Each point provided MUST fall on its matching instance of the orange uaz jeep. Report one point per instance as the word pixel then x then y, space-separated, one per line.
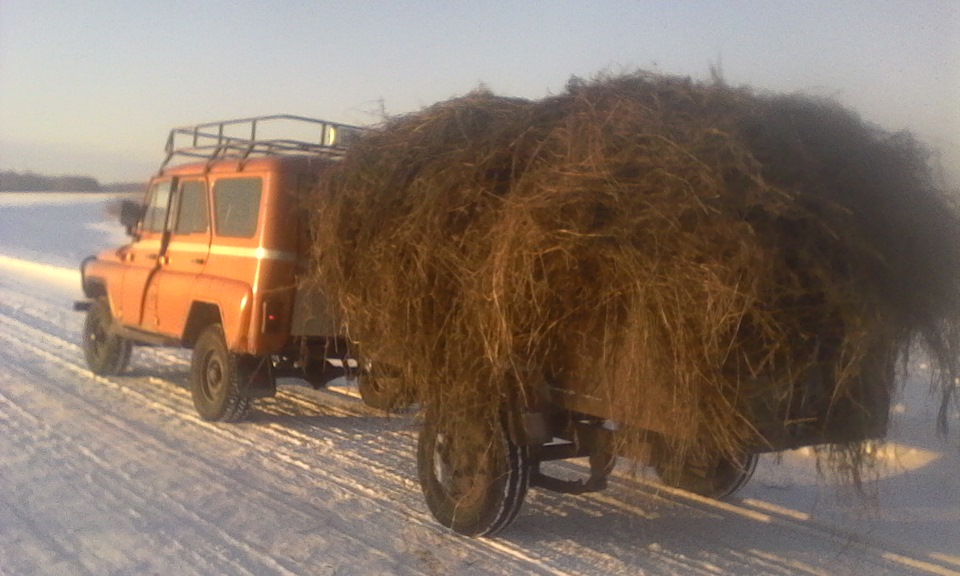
pixel 217 248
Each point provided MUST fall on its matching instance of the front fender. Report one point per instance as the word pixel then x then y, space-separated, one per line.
pixel 102 276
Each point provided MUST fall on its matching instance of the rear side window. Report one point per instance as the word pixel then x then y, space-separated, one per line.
pixel 236 206
pixel 192 218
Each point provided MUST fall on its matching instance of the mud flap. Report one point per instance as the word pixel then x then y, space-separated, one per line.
pixel 260 382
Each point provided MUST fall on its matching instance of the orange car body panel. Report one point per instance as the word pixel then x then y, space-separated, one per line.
pixel 243 266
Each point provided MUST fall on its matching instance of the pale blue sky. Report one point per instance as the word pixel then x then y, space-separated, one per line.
pixel 93 86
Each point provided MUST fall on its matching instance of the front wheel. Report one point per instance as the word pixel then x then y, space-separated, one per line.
pixel 216 377
pixel 106 354
pixel 474 478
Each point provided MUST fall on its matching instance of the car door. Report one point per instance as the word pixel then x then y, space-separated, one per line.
pixel 142 257
pixel 185 256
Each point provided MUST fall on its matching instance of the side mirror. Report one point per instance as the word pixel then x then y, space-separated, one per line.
pixel 130 212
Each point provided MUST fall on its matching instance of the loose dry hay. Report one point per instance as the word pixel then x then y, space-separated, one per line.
pixel 692 254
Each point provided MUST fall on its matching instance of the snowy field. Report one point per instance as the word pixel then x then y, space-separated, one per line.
pixel 119 476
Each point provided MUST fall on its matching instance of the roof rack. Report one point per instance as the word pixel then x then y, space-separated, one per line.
pixel 240 139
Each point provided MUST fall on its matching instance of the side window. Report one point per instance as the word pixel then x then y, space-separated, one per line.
pixel 155 218
pixel 193 215
pixel 236 206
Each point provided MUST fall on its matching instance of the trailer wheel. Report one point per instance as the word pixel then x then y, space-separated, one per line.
pixel 474 478
pixel 106 354
pixel 215 378
pixel 382 392
pixel 713 478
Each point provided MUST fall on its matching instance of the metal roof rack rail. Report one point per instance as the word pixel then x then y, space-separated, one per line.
pixel 242 138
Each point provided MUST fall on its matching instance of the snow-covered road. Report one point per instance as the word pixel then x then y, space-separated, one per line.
pixel 119 475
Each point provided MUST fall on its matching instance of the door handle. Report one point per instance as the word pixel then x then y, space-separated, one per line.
pixel 198 260
pixel 153 256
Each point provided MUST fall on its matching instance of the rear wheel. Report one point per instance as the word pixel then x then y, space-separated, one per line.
pixel 713 477
pixel 216 377
pixel 382 391
pixel 106 354
pixel 474 478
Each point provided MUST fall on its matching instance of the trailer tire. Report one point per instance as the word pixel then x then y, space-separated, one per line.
pixel 106 354
pixel 474 477
pixel 713 478
pixel 216 377
pixel 381 392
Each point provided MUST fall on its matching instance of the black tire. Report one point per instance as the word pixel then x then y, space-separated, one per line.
pixel 215 378
pixel 711 477
pixel 474 478
pixel 106 354
pixel 381 392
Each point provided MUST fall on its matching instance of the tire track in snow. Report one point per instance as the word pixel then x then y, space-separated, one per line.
pixel 157 395
pixel 40 551
pixel 569 550
pixel 358 465
pixel 288 506
pixel 293 404
pixel 587 558
pixel 886 556
pixel 198 468
pixel 125 489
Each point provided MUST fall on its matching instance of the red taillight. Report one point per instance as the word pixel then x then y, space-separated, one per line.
pixel 272 316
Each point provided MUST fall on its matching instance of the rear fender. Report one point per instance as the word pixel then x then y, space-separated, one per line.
pixel 226 301
pixel 202 315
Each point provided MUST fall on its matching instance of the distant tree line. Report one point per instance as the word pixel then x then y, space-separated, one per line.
pixel 11 181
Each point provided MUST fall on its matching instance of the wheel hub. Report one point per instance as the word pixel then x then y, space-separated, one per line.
pixel 460 468
pixel 213 380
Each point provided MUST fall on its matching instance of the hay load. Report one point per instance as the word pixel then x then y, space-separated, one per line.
pixel 732 271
